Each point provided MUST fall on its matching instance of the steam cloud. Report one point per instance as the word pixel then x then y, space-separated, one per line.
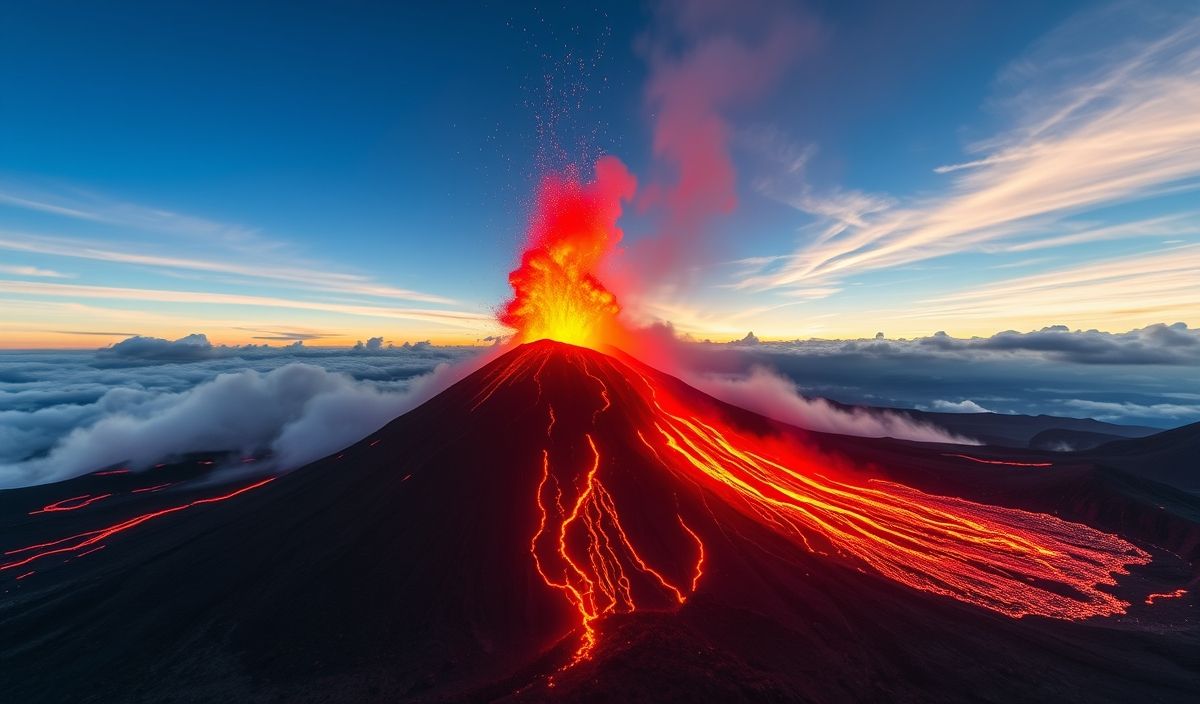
pixel 775 396
pixel 705 59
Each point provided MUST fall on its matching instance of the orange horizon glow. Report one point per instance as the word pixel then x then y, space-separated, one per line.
pixel 227 334
pixel 19 341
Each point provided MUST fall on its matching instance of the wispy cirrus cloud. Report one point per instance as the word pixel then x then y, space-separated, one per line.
pixel 286 334
pixel 456 318
pixel 85 205
pixel 1160 285
pixel 16 270
pixel 1091 129
pixel 229 249
pixel 305 278
pixel 1175 225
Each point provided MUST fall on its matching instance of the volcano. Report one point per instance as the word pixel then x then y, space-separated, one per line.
pixel 566 524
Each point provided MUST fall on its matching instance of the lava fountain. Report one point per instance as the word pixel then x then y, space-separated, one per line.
pixel 557 295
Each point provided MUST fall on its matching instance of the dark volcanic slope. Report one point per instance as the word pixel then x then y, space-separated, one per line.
pixel 1171 457
pixel 404 569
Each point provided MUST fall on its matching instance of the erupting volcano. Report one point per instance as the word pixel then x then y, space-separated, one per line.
pixel 568 522
pixel 1013 562
pixel 557 294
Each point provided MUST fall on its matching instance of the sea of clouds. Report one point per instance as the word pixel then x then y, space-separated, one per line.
pixel 144 400
pixel 1149 376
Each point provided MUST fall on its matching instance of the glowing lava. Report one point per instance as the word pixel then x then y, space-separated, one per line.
pixel 72 504
pixel 556 294
pixel 994 557
pixel 1151 598
pixel 586 553
pixel 980 460
pixel 83 543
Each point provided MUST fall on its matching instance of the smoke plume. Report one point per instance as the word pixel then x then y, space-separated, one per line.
pixel 706 60
pixel 775 396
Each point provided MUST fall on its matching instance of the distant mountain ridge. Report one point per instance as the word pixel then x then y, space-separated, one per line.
pixel 1171 457
pixel 1014 430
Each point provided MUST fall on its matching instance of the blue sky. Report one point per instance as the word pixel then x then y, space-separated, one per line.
pixel 332 172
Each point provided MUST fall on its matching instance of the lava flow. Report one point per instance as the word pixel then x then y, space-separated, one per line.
pixel 72 504
pixel 586 553
pixel 1151 598
pixel 1010 561
pixel 81 544
pixel 997 558
pixel 980 460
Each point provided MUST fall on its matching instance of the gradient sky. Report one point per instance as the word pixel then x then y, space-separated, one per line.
pixel 338 171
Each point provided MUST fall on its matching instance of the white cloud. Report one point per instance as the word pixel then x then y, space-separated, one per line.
pixel 1107 410
pixel 191 347
pixel 15 270
pixel 1158 344
pixel 373 344
pixel 964 406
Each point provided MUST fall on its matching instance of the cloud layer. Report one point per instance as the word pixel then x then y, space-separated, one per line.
pixel 144 400
pixel 1155 344
pixel 1145 376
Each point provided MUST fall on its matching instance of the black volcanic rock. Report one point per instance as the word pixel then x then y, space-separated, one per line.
pixel 400 570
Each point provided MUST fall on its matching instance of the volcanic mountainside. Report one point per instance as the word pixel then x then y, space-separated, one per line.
pixel 570 525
